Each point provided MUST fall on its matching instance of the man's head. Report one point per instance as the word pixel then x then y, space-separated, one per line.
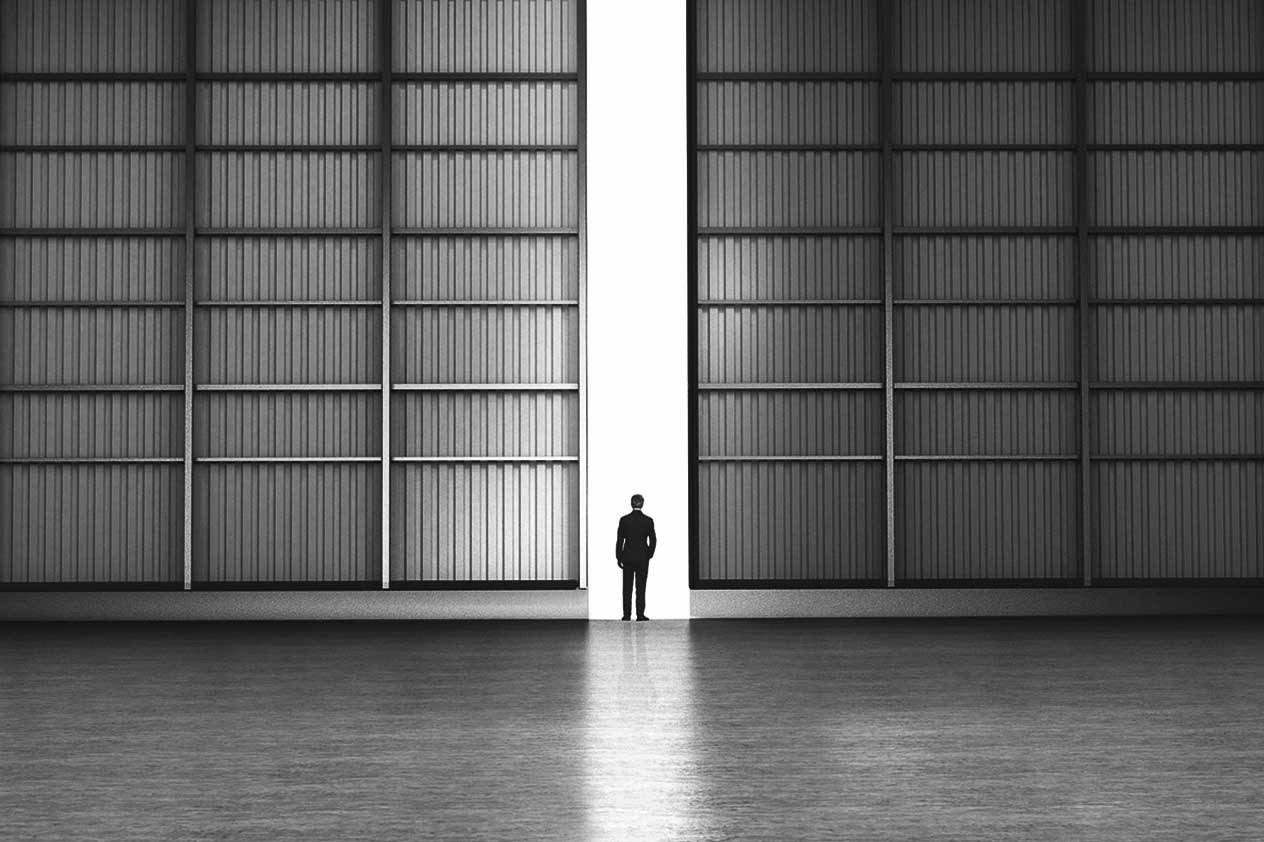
pixel 637 501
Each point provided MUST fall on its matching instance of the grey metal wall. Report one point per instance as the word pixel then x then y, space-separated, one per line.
pixel 978 291
pixel 291 294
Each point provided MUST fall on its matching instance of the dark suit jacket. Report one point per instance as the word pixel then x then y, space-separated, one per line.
pixel 636 539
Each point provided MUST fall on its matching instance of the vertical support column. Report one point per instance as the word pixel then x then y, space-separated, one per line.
pixel 691 174
pixel 581 30
pixel 190 211
pixel 1083 278
pixel 885 206
pixel 384 196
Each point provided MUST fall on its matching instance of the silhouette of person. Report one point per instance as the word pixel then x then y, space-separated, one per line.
pixel 633 550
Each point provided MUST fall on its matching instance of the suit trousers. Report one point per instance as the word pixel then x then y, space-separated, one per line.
pixel 634 570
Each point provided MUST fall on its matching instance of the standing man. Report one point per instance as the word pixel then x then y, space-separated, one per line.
pixel 633 550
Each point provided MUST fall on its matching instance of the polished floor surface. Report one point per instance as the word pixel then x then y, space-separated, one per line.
pixel 1142 729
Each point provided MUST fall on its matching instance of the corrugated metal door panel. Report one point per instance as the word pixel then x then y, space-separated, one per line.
pixel 285 37
pixel 91 269
pixel 287 189
pixel 1175 36
pixel 91 189
pixel 80 524
pixel 982 35
pixel 1178 520
pixel 485 522
pixel 787 189
pixel 486 113
pixel 739 424
pixel 758 344
pixel 786 36
pixel 779 521
pixel 982 112
pixel 1178 266
pixel 481 424
pixel 994 423
pixel 744 112
pixel 485 269
pixel 989 520
pixel 1176 112
pixel 995 267
pixel 1155 422
pixel 1180 343
pixel 1176 188
pixel 82 36
pixel 288 268
pixel 983 188
pixel 486 344
pixel 275 113
pixel 788 267
pixel 70 113
pixel 307 424
pixel 286 523
pixel 486 189
pixel 287 345
pixel 102 346
pixel 985 344
pixel 527 36
pixel 90 425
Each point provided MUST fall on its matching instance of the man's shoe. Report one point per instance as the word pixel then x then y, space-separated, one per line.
pixel 627 617
pixel 642 617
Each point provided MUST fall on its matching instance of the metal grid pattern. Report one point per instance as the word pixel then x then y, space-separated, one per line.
pixel 996 265
pixel 347 238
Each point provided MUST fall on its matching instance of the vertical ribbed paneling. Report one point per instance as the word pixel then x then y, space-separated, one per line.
pixel 746 36
pixel 91 189
pixel 740 424
pixel 280 36
pixel 981 112
pixel 116 345
pixel 86 524
pixel 1177 188
pixel 287 345
pixel 488 522
pixel 1179 342
pixel 787 113
pixel 982 35
pixel 286 523
pixel 945 267
pixel 1136 422
pixel 486 190
pixel 68 113
pixel 481 269
pixel 486 345
pixel 753 344
pixel 941 422
pixel 91 269
pixel 442 36
pixel 985 344
pixel 1176 35
pixel 486 113
pixel 788 267
pixel 983 188
pixel 1176 112
pixel 81 36
pixel 786 521
pixel 484 424
pixel 288 269
pixel 90 425
pixel 287 189
pixel 986 520
pixel 287 113
pixel 1178 520
pixel 1178 266
pixel 787 189
pixel 304 424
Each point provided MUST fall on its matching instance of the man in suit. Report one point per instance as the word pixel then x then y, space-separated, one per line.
pixel 633 550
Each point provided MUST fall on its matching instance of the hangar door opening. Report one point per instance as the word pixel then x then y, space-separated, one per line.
pixel 976 290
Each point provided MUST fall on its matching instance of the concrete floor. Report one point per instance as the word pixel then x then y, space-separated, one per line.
pixel 881 729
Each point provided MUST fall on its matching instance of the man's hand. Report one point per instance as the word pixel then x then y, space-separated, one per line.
pixel 620 564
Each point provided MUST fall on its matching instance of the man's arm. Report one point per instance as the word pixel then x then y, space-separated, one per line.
pixel 618 544
pixel 653 538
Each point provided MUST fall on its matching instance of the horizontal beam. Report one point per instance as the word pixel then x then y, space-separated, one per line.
pixel 284 460
pixel 263 77
pixel 92 460
pixel 485 302
pixel 278 302
pixel 979 147
pixel 779 458
pixel 486 232
pixel 789 302
pixel 287 387
pixel 485 387
pixel 981 76
pixel 791 387
pixel 473 459
pixel 91 387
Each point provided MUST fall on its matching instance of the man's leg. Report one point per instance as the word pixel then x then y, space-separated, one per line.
pixel 629 570
pixel 642 572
